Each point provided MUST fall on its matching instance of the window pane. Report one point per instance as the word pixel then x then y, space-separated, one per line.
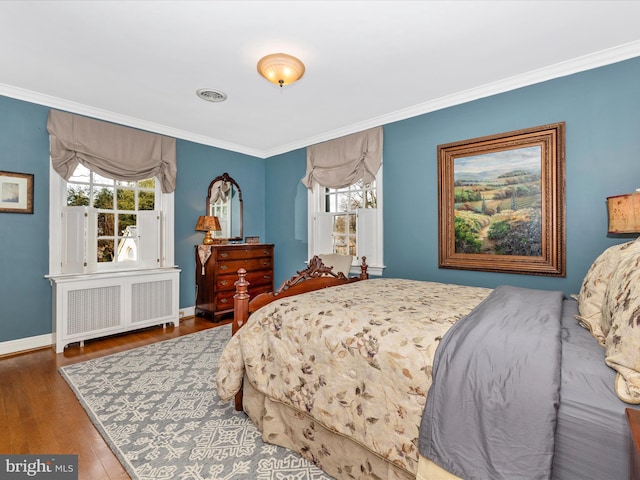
pixel 127 249
pixel 77 195
pixel 352 224
pixel 343 202
pixel 371 200
pixel 105 224
pixel 81 174
pixel 103 198
pixel 125 183
pixel 330 203
pixel 340 245
pixel 149 183
pixel 340 224
pixel 105 250
pixel 127 224
pixel 126 199
pixel 102 180
pixel 146 200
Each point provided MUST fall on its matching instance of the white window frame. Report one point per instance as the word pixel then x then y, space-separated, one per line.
pixel 370 239
pixel 57 203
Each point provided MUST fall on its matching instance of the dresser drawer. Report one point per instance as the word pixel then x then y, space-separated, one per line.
pixel 243 253
pixel 255 278
pixel 232 266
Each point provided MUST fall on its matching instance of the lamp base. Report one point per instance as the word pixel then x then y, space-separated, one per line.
pixel 208 239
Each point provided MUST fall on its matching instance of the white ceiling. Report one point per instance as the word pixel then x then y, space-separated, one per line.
pixel 139 63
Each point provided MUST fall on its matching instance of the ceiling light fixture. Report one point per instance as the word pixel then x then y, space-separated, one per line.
pixel 280 68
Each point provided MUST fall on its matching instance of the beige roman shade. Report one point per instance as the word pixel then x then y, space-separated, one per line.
pixel 343 161
pixel 114 151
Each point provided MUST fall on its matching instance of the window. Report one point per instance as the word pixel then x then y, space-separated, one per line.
pixel 117 204
pixel 108 224
pixel 348 221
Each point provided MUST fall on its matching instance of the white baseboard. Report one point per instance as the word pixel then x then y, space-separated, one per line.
pixel 29 343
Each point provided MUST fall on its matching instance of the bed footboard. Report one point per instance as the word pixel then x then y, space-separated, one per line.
pixel 315 276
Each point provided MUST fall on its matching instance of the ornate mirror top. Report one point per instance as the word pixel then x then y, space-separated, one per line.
pixel 224 200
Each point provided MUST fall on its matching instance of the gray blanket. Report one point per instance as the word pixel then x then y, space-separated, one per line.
pixel 492 408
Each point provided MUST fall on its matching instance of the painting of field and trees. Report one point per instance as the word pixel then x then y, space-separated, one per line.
pixel 497 203
pixel 501 202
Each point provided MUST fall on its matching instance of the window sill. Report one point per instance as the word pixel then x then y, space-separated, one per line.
pixel 376 270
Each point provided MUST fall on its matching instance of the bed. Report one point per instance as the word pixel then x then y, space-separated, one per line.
pixel 363 376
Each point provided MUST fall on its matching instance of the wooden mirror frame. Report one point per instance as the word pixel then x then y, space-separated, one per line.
pixel 226 178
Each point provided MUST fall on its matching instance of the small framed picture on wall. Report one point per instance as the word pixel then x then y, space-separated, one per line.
pixel 16 192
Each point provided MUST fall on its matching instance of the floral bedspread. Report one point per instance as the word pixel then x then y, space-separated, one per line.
pixel 356 357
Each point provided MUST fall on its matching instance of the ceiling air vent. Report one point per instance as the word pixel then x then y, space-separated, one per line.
pixel 211 95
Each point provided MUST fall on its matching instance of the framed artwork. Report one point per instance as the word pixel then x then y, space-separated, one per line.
pixel 16 192
pixel 501 202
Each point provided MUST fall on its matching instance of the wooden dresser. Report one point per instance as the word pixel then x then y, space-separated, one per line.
pixel 215 282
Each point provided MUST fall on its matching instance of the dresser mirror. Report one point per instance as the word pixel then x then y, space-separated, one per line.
pixel 224 200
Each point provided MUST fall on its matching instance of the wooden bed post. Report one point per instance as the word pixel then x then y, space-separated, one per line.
pixel 240 302
pixel 363 269
pixel 240 316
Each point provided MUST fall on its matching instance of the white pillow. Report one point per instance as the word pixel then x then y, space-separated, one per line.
pixel 621 311
pixel 594 286
pixel 340 263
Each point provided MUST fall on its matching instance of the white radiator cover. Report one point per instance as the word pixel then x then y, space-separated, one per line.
pixel 91 306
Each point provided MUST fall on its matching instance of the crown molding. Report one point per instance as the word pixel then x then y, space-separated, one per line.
pixel 563 69
pixel 133 122
pixel 580 64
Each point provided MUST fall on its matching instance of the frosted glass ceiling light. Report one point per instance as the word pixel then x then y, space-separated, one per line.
pixel 280 68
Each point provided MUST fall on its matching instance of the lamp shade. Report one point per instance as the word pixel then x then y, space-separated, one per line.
pixel 207 223
pixel 624 213
pixel 280 68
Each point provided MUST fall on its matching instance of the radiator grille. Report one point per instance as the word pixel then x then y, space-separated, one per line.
pixel 93 309
pixel 151 300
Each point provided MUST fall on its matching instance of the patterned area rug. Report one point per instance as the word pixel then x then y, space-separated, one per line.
pixel 158 409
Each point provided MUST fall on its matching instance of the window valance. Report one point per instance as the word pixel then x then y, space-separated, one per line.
pixel 115 151
pixel 343 161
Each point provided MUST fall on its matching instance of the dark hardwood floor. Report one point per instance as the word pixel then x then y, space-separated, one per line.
pixel 39 414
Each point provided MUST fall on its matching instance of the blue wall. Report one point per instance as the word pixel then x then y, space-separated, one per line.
pixel 25 294
pixel 601 109
pixel 198 165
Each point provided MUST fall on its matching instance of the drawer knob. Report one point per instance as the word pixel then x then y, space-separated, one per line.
pixel 224 254
pixel 223 267
pixel 266 252
pixel 224 300
pixel 267 276
pixel 224 282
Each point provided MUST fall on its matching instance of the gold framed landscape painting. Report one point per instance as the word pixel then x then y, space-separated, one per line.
pixel 16 192
pixel 501 202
